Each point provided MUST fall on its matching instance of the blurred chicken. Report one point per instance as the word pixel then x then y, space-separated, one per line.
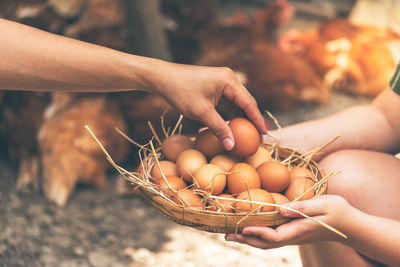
pixel 69 112
pixel 183 21
pixel 21 115
pixel 358 59
pixel 69 153
pixel 101 22
pixel 275 78
pixel 34 13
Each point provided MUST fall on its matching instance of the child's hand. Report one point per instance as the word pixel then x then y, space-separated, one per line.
pixel 331 209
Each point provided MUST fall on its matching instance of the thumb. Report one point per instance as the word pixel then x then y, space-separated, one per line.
pixel 220 128
pixel 310 207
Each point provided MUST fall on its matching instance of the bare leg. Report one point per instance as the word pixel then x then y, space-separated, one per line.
pixel 370 181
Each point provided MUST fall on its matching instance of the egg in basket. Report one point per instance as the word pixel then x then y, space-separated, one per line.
pixel 195 182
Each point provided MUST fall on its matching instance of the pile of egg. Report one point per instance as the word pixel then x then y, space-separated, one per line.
pixel 247 172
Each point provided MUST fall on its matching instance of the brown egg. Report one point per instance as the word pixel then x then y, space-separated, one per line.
pixel 279 198
pixel 189 162
pixel 301 172
pixel 208 143
pixel 223 161
pixel 247 138
pixel 210 178
pixel 258 195
pixel 168 168
pixel 175 184
pixel 297 186
pixel 190 199
pixel 239 174
pixel 262 155
pixel 227 204
pixel 173 145
pixel 274 176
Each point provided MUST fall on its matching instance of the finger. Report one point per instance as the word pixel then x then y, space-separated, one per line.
pixel 252 111
pixel 294 232
pixel 251 241
pixel 220 128
pixel 300 231
pixel 264 233
pixel 258 231
pixel 311 207
pixel 242 98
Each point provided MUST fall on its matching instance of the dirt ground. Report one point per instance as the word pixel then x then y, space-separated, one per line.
pixel 100 229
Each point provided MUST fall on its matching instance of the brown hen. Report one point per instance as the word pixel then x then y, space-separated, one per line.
pixel 358 59
pixel 275 78
pixel 69 153
pixel 21 116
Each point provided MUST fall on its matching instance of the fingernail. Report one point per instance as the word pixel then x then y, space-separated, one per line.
pixel 228 143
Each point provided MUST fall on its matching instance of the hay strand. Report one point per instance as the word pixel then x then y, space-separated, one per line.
pixel 162 118
pixel 154 133
pixel 322 181
pixel 177 124
pixel 130 140
pixel 274 119
pixel 245 217
pixel 101 146
pixel 327 226
pixel 308 155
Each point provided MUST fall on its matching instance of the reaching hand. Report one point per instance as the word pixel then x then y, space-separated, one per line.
pixel 331 209
pixel 195 91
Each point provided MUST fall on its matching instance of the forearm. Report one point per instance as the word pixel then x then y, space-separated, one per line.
pixel 376 237
pixel 32 59
pixel 361 127
pixel 36 60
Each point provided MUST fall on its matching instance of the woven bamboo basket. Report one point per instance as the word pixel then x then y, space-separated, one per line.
pixel 212 221
pixel 221 222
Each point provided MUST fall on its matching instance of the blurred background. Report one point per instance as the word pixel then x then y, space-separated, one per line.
pixel 61 204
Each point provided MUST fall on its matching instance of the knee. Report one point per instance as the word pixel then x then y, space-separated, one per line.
pixel 349 176
pixel 368 180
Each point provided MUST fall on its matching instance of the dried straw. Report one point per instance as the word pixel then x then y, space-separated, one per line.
pixel 177 124
pixel 320 182
pixel 274 119
pixel 163 124
pixel 149 157
pixel 129 139
pixel 327 226
pixel 154 133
